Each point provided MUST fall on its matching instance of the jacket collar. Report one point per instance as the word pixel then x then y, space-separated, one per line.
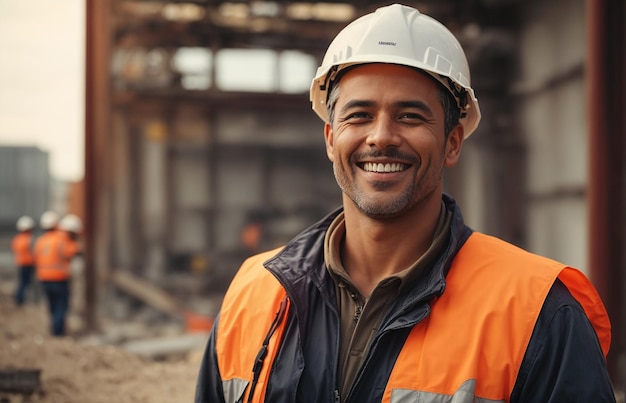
pixel 301 263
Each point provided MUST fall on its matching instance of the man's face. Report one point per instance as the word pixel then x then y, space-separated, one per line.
pixel 387 142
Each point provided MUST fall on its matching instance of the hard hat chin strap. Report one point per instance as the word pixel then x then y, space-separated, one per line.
pixel 459 93
pixel 328 80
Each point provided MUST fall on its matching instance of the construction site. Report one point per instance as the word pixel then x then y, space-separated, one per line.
pixel 201 149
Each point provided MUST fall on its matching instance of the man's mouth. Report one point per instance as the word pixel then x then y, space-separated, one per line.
pixel 380 167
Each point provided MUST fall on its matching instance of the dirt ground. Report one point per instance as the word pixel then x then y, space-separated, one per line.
pixel 74 371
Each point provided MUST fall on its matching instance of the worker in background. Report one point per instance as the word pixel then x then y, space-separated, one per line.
pixel 253 233
pixel 72 225
pixel 393 298
pixel 54 250
pixel 22 246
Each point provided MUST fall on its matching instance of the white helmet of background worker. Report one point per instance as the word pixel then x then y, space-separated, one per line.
pixel 25 223
pixel 401 35
pixel 71 223
pixel 49 220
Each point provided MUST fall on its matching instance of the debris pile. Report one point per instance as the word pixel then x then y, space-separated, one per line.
pixel 72 370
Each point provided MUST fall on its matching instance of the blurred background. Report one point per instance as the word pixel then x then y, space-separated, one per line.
pixel 182 134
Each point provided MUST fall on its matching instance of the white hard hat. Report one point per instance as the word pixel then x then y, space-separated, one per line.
pixel 25 223
pixel 71 223
pixel 401 35
pixel 48 220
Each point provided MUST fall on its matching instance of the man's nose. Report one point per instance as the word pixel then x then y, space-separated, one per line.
pixel 383 133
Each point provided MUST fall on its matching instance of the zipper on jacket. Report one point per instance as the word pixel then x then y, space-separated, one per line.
pixel 357 313
pixel 337 397
pixel 374 345
pixel 260 358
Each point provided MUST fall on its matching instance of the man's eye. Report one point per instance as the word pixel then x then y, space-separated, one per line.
pixel 412 116
pixel 356 116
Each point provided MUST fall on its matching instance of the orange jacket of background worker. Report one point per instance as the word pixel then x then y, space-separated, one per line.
pixel 53 253
pixel 21 246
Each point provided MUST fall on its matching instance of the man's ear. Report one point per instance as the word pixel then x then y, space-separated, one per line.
pixel 453 145
pixel 328 139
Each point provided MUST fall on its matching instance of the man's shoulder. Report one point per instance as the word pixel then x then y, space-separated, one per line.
pixel 487 246
pixel 493 264
pixel 252 275
pixel 260 258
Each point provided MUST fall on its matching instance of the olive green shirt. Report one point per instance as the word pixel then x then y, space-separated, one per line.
pixel 361 316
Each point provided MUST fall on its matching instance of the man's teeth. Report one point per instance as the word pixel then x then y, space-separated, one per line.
pixel 379 167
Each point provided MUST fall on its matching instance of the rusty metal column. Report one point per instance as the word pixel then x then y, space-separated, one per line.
pixel 606 86
pixel 96 128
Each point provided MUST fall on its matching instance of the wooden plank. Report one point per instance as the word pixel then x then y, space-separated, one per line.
pixel 147 293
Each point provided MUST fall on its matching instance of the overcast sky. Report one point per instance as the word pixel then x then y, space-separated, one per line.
pixel 41 80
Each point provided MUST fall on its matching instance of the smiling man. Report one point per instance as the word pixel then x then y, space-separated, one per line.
pixel 392 297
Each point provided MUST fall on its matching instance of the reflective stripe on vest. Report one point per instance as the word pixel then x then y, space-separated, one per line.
pixel 469 349
pixel 471 346
pixel 464 394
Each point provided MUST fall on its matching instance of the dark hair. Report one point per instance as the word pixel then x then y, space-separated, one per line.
pixel 451 111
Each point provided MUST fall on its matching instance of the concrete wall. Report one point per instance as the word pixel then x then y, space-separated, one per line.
pixel 551 116
pixel 522 175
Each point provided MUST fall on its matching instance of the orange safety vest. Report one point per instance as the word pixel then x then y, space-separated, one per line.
pixel 468 349
pixel 237 346
pixel 475 338
pixel 53 253
pixel 21 246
